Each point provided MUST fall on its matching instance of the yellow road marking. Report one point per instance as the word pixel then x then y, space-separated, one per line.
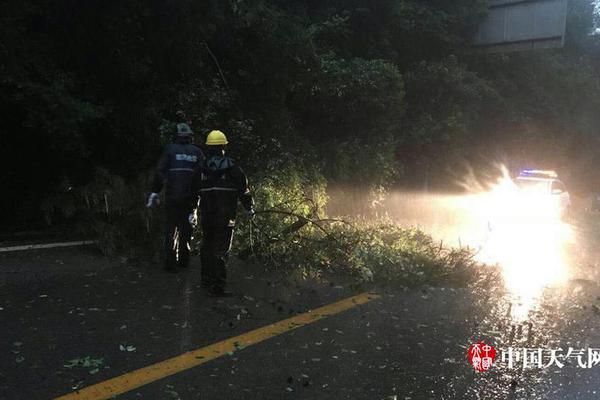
pixel 171 366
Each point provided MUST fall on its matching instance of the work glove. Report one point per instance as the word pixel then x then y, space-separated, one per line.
pixel 250 213
pixel 192 219
pixel 152 199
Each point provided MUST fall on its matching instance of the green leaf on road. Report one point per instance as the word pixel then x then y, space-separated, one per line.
pixel 174 395
pixel 127 347
pixel 239 346
pixel 84 362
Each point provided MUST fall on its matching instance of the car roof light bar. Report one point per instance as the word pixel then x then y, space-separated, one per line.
pixel 539 173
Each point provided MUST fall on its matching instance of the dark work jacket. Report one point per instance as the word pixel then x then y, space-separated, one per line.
pixel 221 184
pixel 178 166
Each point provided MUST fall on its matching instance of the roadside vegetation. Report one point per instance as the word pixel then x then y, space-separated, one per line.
pixel 362 94
pixel 290 234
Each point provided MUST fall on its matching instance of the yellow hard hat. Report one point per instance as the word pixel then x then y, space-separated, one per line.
pixel 216 138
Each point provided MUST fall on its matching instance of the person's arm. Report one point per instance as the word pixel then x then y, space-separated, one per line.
pixel 159 178
pixel 197 179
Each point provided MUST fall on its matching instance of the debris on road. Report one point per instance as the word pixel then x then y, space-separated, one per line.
pixel 128 348
pixel 92 364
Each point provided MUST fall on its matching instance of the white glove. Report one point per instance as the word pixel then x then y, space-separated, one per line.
pixel 152 199
pixel 192 219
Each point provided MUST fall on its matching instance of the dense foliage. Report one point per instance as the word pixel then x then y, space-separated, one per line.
pixel 373 93
pixel 291 232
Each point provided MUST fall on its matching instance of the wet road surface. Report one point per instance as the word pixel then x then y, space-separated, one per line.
pixel 71 318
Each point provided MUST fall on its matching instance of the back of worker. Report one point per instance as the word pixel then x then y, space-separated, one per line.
pixel 222 183
pixel 177 166
pixel 177 171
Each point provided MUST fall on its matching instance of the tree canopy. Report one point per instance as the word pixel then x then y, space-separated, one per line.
pixel 375 93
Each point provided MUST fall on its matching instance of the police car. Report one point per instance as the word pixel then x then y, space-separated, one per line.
pixel 545 182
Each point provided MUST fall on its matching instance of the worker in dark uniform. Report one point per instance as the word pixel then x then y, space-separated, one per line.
pixel 221 184
pixel 178 168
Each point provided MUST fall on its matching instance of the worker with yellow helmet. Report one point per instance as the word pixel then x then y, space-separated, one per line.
pixel 221 184
pixel 216 138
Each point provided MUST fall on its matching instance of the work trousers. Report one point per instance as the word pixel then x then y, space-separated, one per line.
pixel 178 235
pixel 216 244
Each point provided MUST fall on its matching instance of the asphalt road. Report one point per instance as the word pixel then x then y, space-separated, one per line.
pixel 71 318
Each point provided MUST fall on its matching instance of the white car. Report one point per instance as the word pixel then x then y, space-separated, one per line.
pixel 545 183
